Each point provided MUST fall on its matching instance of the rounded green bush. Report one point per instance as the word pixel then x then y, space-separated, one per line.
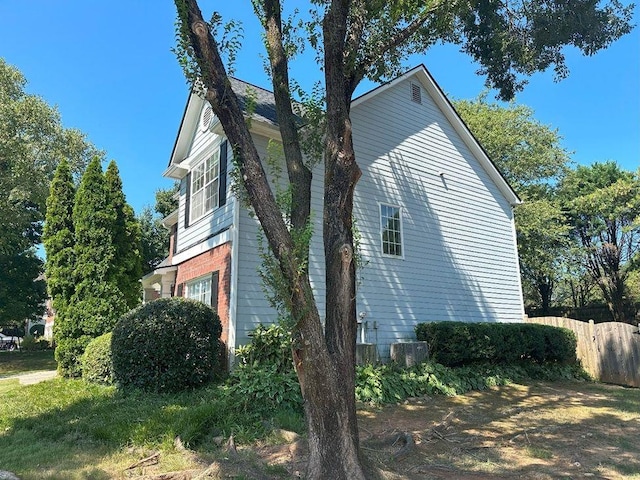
pixel 67 354
pixel 96 361
pixel 167 345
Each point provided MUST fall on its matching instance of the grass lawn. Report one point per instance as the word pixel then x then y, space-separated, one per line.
pixel 13 363
pixel 69 429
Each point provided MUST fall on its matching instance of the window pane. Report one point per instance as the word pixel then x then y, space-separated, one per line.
pixel 204 186
pixel 391 230
pixel 200 290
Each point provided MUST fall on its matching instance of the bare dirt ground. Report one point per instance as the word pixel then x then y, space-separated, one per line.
pixel 542 431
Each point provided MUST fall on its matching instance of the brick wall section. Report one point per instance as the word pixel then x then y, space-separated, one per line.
pixel 216 259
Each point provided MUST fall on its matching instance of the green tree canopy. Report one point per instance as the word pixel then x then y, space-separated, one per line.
pixel 97 302
pixel 155 236
pixel 126 266
pixel 603 204
pixel 32 143
pixel 59 239
pixel 531 158
pixel 527 152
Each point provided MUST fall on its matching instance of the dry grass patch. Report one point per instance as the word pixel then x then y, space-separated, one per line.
pixel 568 430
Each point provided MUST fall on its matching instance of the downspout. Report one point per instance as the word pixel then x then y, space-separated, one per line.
pixel 233 297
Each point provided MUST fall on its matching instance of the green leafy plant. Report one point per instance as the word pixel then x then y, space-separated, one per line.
pixel 385 384
pixel 167 345
pixel 265 376
pixel 270 346
pixel 31 343
pixel 460 343
pixel 96 362
pixel 266 389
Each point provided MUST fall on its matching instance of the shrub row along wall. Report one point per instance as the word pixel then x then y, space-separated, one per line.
pixel 460 343
pixel 609 351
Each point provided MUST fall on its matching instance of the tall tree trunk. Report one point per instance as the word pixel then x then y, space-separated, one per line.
pixel 545 289
pixel 612 288
pixel 324 360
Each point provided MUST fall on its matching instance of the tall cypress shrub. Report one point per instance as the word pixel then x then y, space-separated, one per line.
pixel 126 267
pixel 97 302
pixel 58 239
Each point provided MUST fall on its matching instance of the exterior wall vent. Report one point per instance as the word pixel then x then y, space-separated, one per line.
pixel 416 93
pixel 206 120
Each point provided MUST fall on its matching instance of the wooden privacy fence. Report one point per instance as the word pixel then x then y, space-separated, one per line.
pixel 609 351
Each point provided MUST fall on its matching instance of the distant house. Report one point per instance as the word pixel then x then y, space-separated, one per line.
pixel 434 215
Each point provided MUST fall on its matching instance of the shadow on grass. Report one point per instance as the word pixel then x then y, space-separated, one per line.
pixel 66 425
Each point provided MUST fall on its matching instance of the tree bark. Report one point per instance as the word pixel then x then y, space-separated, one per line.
pixel 324 360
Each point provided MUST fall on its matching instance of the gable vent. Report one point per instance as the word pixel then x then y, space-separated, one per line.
pixel 207 118
pixel 416 93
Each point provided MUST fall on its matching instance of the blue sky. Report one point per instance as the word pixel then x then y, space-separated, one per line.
pixel 108 68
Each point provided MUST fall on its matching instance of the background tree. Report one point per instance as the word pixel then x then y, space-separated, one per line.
pixel 542 234
pixel 155 237
pixel 526 152
pixel 531 158
pixel 59 239
pixel 166 200
pixel 126 266
pixel 603 204
pixel 357 40
pixel 32 142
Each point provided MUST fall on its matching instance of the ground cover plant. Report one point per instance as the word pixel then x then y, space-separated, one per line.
pixel 13 363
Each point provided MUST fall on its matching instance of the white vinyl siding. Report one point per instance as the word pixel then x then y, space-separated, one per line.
pixel 200 289
pixel 459 251
pixel 391 230
pixel 205 144
pixel 204 186
pixel 252 306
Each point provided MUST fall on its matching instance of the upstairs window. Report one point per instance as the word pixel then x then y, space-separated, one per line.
pixel 391 230
pixel 204 186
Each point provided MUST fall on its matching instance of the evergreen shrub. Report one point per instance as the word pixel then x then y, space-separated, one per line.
pixel 168 345
pixel 97 366
pixel 68 352
pixel 461 343
pixel 35 344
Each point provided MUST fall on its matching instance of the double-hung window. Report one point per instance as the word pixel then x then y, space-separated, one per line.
pixel 204 186
pixel 200 290
pixel 391 230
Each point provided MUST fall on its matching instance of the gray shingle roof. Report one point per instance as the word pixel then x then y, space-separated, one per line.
pixel 265 108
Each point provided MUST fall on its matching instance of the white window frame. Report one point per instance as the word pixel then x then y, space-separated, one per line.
pixel 204 189
pixel 383 215
pixel 199 289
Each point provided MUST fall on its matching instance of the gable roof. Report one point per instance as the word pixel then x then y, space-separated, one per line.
pixel 421 74
pixel 264 115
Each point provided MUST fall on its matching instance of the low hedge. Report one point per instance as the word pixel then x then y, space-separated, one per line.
pixel 460 343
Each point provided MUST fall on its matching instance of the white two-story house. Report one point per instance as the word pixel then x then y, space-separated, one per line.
pixel 434 215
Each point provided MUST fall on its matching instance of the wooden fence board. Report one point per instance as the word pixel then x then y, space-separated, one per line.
pixel 609 351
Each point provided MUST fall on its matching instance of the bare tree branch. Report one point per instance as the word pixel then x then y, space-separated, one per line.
pixel 375 52
pixel 226 106
pixel 299 174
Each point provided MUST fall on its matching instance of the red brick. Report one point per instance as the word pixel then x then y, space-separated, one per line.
pixel 216 259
